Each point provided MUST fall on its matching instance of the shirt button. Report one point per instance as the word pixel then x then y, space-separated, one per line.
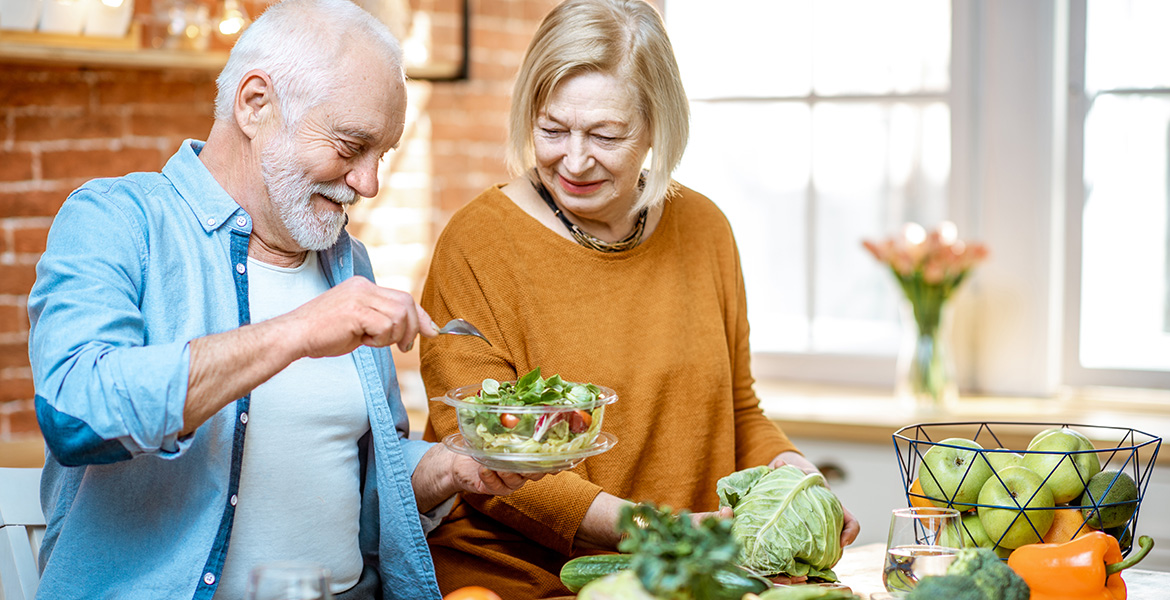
pixel 211 222
pixel 234 500
pixel 240 268
pixel 244 418
pixel 241 221
pixel 209 578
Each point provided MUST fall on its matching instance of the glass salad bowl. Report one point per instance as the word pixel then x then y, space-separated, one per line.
pixel 530 425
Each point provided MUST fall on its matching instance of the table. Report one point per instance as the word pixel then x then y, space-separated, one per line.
pixel 861 569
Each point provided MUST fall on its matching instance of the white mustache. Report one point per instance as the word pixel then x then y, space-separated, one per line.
pixel 338 192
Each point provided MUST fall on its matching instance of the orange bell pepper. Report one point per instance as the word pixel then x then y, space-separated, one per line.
pixel 1086 568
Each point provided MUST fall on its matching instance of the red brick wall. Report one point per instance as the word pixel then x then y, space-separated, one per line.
pixel 62 125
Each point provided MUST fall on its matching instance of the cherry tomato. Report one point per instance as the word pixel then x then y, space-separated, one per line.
pixel 472 592
pixel 509 420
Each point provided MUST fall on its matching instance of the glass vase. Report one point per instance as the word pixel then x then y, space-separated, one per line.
pixel 925 368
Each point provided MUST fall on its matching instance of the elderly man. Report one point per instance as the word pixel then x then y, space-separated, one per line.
pixel 211 359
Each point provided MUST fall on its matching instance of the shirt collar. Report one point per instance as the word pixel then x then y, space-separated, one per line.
pixel 210 203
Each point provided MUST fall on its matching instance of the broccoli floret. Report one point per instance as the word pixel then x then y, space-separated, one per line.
pixel 947 587
pixel 976 574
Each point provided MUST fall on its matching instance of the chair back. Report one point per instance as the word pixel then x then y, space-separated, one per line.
pixel 22 526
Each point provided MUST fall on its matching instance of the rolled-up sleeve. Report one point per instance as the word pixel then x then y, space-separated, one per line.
pixel 102 393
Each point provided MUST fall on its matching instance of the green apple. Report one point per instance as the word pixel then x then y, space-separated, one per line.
pixel 1068 430
pixel 952 470
pixel 1065 458
pixel 972 533
pixel 1001 458
pixel 1013 507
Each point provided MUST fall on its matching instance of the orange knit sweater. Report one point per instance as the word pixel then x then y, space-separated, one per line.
pixel 664 325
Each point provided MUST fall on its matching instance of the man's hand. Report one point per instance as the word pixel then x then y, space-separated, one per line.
pixel 355 313
pixel 473 477
pixel 442 473
pixel 225 366
pixel 851 527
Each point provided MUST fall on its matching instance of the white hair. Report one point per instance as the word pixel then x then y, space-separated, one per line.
pixel 299 43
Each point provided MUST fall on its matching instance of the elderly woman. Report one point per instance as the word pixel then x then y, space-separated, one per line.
pixel 589 267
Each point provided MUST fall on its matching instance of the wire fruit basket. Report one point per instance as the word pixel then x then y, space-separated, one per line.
pixel 1099 481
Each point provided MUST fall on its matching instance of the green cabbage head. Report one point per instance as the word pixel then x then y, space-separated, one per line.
pixel 787 521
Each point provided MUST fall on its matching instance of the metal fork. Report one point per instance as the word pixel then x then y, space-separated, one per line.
pixel 461 327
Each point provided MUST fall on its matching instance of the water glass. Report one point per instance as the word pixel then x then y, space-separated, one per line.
pixel 922 541
pixel 289 581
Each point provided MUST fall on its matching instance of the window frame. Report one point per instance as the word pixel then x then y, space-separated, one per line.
pixel 867 369
pixel 1074 374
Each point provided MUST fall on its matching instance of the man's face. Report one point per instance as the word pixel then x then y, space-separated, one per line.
pixel 291 190
pixel 326 161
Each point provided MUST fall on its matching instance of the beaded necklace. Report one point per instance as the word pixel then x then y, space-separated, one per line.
pixel 587 240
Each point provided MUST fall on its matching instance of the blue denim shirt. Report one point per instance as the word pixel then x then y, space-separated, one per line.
pixel 135 268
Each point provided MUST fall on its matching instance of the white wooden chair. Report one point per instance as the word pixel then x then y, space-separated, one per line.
pixel 22 526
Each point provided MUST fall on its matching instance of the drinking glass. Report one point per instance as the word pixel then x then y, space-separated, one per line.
pixel 922 541
pixel 289 581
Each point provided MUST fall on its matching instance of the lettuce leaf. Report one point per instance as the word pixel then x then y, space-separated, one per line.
pixel 787 521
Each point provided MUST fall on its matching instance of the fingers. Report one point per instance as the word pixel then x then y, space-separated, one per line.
pixel 427 326
pixel 383 316
pixel 498 483
pixel 851 529
pixel 722 513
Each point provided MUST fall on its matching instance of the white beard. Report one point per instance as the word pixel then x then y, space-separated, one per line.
pixel 291 191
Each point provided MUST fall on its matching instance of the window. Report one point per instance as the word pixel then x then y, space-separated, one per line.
pixel 1121 292
pixel 815 125
pixel 1040 128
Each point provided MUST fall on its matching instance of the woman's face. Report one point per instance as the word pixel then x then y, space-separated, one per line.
pixel 590 141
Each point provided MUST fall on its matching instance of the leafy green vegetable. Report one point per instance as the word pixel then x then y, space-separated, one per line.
pixel 532 389
pixel 976 574
pixel 787 521
pixel 673 558
pixel 571 423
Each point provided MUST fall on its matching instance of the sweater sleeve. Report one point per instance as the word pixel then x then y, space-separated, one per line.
pixel 757 439
pixel 548 511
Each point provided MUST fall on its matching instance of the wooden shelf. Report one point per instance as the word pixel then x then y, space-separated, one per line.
pixel 87 51
pixel 94 52
pixel 137 59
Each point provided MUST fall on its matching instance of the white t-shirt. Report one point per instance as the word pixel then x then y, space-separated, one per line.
pixel 298 496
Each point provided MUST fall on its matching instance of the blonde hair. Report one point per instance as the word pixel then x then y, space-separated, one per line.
pixel 298 44
pixel 623 38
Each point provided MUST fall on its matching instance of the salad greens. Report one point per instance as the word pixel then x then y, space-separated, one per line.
pixel 570 421
pixel 673 558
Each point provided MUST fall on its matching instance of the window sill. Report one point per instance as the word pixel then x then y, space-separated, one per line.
pixel 872 415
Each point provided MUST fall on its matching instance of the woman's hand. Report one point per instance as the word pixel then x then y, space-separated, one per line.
pixel 722 513
pixel 851 527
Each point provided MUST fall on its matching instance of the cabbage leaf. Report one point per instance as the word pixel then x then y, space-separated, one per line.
pixel 787 522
